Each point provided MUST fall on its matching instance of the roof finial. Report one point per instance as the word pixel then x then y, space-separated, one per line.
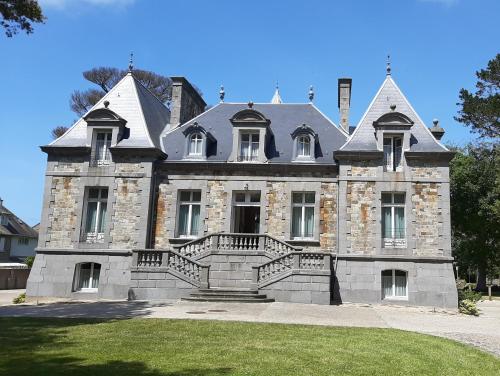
pixel 311 93
pixel 222 93
pixel 131 62
pixel 276 97
pixel 388 68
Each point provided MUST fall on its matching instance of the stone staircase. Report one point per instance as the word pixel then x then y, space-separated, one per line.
pixel 228 296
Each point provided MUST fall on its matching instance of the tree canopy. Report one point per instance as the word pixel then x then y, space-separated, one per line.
pixel 475 208
pixel 481 110
pixel 19 15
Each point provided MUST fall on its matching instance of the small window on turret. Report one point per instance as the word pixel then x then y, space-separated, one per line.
pixel 101 155
pixel 393 149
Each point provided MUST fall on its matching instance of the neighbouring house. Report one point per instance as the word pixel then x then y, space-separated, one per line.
pixel 17 241
pixel 246 202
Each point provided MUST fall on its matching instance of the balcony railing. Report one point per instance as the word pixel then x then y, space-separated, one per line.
pixel 394 242
pixel 92 237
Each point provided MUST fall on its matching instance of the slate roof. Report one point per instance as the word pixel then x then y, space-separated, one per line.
pixel 363 137
pixel 285 118
pixel 15 226
pixel 146 116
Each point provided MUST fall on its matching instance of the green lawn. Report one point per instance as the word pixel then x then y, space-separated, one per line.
pixel 154 347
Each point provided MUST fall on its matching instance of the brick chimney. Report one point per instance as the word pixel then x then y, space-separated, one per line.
pixel 344 101
pixel 186 103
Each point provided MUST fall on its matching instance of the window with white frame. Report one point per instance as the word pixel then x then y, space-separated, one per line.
pixel 394 284
pixel 303 147
pixel 303 215
pixel 393 149
pixel 189 213
pixel 393 220
pixel 195 145
pixel 95 215
pixel 87 277
pixel 102 155
pixel 249 147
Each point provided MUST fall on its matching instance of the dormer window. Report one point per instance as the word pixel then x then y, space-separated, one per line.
pixel 249 147
pixel 304 143
pixel 101 155
pixel 195 145
pixel 303 147
pixel 393 150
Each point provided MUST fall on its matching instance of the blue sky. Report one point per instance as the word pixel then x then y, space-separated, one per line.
pixel 435 46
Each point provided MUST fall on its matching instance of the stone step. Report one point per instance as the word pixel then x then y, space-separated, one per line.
pixel 227 300
pixel 229 291
pixel 228 295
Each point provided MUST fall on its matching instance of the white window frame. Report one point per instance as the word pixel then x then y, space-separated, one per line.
pixel 95 236
pixel 251 143
pixel 389 157
pixel 303 205
pixel 394 296
pixel 190 205
pixel 91 278
pixel 197 138
pixel 248 195
pixel 302 140
pixel 393 241
pixel 106 155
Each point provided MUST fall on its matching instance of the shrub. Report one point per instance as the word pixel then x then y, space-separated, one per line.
pixel 29 261
pixel 20 299
pixel 468 307
pixel 473 296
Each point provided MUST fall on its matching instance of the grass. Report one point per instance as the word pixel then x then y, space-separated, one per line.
pixel 158 347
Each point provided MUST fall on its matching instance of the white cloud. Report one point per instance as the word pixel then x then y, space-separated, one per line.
pixel 62 4
pixel 447 3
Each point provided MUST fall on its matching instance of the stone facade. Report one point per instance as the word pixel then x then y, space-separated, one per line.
pixel 276 209
pixel 361 218
pixel 428 219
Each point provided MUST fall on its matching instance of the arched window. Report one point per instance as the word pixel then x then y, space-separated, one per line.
pixel 87 277
pixel 303 147
pixel 195 144
pixel 394 284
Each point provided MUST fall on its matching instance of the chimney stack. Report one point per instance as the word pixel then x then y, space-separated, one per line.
pixel 186 102
pixel 344 101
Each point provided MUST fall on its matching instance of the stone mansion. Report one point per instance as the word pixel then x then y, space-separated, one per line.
pixel 249 202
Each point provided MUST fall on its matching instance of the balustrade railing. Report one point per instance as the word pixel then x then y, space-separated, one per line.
pixel 238 242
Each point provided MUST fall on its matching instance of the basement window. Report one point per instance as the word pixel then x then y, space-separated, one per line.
pixel 87 277
pixel 394 284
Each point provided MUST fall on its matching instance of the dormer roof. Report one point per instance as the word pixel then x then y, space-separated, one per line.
pixel 132 104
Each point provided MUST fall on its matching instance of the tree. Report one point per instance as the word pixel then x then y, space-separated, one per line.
pixel 19 15
pixel 105 78
pixel 481 110
pixel 475 209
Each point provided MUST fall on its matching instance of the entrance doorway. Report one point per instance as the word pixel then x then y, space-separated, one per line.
pixel 246 212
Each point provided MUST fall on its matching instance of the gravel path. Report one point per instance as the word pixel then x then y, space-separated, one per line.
pixel 482 332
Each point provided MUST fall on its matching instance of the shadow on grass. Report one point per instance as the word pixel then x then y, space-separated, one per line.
pixel 38 346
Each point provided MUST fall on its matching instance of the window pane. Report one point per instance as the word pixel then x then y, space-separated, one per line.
pixel 104 193
pixel 95 276
pixel 102 218
pixel 91 217
pixel 386 198
pixel 255 197
pixel 399 198
pixel 297 198
pixel 183 219
pixel 387 141
pixel 296 222
pixel 386 283
pixel 245 137
pixel 255 150
pixel 400 281
pixel 84 276
pixel 309 222
pixel 93 193
pixel 195 219
pixel 309 198
pixel 197 196
pixel 239 197
pixel 185 196
pixel 398 150
pixel 399 222
pixel 255 137
pixel 386 223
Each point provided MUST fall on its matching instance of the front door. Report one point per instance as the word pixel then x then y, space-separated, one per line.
pixel 246 212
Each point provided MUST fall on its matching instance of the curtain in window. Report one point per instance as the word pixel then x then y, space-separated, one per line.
pixel 400 283
pixel 84 276
pixel 296 222
pixel 386 223
pixel 102 217
pixel 245 146
pixel 195 219
pixel 387 154
pixel 387 283
pixel 91 217
pixel 183 219
pixel 309 222
pixel 399 220
pixel 398 148
pixel 95 276
pixel 255 150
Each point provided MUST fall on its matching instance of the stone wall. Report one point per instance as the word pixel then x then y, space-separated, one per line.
pixel 278 201
pixel 328 217
pixel 428 219
pixel 425 170
pixel 126 213
pixel 216 207
pixel 301 287
pixel 362 168
pixel 62 212
pixel 158 285
pixel 361 217
pixel 165 209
